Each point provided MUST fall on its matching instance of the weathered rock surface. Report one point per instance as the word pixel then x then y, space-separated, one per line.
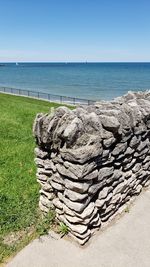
pixel 92 160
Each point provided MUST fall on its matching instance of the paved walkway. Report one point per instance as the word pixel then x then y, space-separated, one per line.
pixel 124 244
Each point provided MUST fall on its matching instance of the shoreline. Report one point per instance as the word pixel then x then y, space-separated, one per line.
pixel 40 99
pixel 46 96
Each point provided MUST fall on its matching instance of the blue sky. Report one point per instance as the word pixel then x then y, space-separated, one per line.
pixel 74 30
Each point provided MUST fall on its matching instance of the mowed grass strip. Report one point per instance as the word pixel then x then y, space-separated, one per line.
pixel 19 190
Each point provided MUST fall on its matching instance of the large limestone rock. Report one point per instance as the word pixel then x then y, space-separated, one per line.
pixel 91 161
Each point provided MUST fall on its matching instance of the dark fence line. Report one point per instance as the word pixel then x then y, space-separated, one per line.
pixel 46 96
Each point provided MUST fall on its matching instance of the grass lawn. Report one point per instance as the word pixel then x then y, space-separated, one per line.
pixel 18 187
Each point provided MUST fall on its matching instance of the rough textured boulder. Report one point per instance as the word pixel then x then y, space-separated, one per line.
pixel 92 160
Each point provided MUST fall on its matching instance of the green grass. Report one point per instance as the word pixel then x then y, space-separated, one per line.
pixel 63 229
pixel 19 190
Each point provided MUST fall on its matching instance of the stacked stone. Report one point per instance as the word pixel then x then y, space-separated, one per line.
pixel 92 160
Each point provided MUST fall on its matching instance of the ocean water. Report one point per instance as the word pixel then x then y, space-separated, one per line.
pixel 84 80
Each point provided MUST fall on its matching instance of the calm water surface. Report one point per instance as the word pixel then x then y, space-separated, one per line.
pixel 83 80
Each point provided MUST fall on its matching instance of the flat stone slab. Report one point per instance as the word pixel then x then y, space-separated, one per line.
pixel 124 243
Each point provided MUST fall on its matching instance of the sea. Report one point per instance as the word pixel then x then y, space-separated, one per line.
pixel 95 81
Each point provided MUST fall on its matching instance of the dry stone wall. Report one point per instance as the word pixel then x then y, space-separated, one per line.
pixel 92 160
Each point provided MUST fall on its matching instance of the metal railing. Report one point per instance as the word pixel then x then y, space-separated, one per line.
pixel 46 96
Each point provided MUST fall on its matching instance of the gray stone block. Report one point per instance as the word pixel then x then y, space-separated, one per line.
pixel 93 160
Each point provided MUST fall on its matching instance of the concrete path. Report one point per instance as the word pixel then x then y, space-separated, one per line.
pixel 124 244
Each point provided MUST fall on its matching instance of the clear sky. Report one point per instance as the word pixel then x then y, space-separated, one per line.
pixel 74 30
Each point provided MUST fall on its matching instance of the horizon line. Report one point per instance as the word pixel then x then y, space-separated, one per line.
pixel 68 62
